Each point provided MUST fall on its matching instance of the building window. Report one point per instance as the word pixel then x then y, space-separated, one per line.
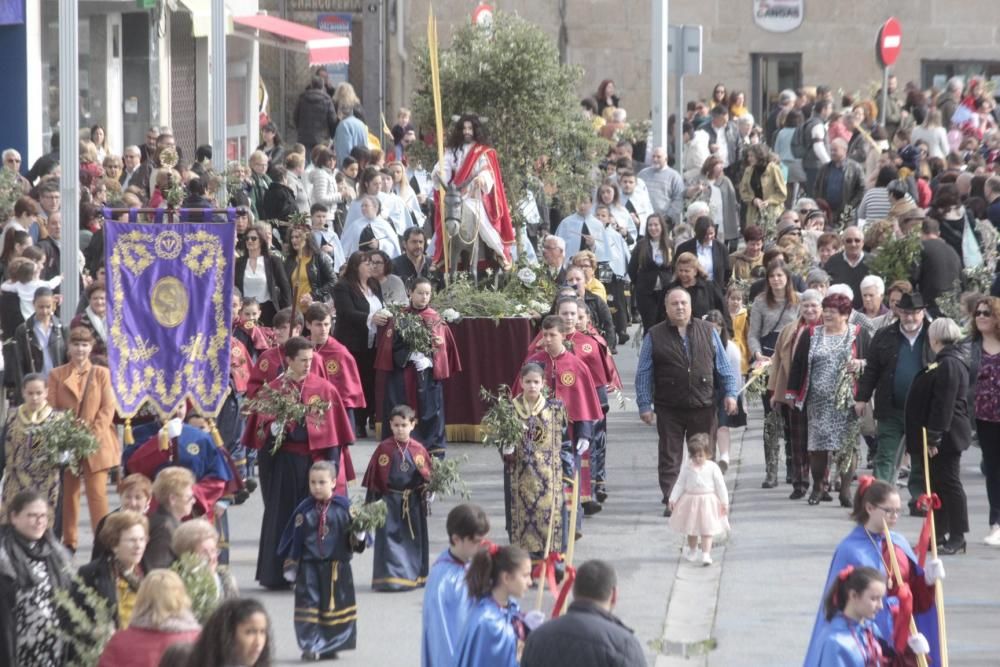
pixel 935 73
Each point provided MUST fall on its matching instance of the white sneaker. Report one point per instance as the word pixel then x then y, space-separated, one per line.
pixel 691 554
pixel 706 559
pixel 993 539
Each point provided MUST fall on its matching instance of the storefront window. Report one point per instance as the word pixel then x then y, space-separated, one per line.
pixel 91 44
pixel 937 72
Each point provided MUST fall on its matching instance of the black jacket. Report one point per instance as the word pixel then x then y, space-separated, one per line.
pixel 159 553
pixel 13 573
pixel 320 272
pixel 937 402
pixel 29 350
pixel 600 315
pixel 351 327
pixel 99 574
pixel 277 280
pixel 940 266
pixel 586 636
pixel 644 275
pixel 279 203
pixel 721 268
pixel 880 369
pixel 315 119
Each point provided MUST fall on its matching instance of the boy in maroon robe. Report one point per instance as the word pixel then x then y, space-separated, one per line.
pixel 284 475
pixel 411 377
pixel 340 367
pixel 271 363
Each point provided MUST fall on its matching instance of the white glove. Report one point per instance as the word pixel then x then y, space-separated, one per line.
pixel 64 458
pixel 174 427
pixel 431 498
pixel 361 536
pixel 420 361
pixel 933 571
pixel 275 429
pixel 533 619
pixel 918 644
pixel 582 445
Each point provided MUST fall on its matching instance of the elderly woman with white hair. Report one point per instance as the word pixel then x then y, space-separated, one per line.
pixel 937 417
pixel 872 292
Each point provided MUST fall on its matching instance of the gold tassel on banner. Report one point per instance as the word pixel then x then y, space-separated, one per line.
pixel 129 438
pixel 164 439
pixel 216 436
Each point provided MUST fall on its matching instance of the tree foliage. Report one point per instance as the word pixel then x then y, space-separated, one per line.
pixel 510 75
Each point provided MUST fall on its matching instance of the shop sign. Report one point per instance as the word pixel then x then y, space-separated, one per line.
pixel 778 15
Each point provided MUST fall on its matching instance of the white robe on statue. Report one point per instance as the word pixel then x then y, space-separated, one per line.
pixel 471 197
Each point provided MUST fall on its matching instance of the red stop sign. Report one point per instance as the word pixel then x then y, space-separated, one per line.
pixel 889 42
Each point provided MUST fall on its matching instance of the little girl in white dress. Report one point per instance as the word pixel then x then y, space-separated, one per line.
pixel 699 501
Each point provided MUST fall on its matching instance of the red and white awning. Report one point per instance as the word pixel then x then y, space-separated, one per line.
pixel 323 48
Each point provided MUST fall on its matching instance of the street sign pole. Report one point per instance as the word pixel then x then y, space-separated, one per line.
pixel 660 70
pixel 69 156
pixel 217 51
pixel 888 44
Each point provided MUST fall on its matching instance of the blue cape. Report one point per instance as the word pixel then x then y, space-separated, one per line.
pixel 446 608
pixel 857 549
pixel 488 639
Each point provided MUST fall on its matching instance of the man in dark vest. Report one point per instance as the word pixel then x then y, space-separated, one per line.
pixel 681 363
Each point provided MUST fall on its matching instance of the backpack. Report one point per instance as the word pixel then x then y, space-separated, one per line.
pixel 802 139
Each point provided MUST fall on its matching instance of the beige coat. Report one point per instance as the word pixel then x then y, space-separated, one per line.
pixel 66 388
pixel 781 361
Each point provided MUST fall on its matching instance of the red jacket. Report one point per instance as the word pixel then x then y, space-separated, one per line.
pixel 143 647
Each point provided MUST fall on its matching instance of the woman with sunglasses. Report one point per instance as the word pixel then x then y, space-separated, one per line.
pixel 261 275
pixel 984 402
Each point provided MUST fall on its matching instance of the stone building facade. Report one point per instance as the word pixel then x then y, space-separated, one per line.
pixel 832 43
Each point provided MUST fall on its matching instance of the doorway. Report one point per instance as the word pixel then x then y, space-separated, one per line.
pixel 770 74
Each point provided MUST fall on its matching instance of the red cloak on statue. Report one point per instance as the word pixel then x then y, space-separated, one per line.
pixel 495 202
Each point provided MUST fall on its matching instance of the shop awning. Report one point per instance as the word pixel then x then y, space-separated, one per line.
pixel 323 48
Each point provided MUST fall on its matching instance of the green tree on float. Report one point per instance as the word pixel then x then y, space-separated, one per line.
pixel 510 75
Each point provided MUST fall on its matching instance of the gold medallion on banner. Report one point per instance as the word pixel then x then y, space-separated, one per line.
pixel 168 245
pixel 169 301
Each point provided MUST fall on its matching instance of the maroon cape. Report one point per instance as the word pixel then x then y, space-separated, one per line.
pixel 325 430
pixel 446 359
pixel 570 381
pixel 239 365
pixel 377 474
pixel 342 372
pixel 271 363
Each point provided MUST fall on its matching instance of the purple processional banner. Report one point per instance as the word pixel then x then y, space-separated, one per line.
pixel 169 313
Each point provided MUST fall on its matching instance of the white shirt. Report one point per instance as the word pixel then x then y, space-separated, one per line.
pixel 374 305
pixel 706 260
pixel 255 281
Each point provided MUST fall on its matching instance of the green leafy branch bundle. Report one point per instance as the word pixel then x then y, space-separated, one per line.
pixel 65 439
pixel 896 258
pixel 502 426
pixel 90 622
pixel 199 581
pixel 367 517
pixel 446 480
pixel 415 331
pixel 286 408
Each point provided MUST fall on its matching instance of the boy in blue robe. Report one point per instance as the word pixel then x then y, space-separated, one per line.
pixel 446 598
pixel 318 545
pixel 398 472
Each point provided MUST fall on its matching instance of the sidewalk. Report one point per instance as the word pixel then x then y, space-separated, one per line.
pixel 774 566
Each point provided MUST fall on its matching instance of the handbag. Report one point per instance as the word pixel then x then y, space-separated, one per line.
pixel 770 339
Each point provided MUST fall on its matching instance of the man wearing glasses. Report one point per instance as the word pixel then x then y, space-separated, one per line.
pixel 12 162
pixel 849 267
pixel 136 172
pixel 896 354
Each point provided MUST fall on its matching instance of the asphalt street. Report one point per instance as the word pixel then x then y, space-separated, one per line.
pixel 754 606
